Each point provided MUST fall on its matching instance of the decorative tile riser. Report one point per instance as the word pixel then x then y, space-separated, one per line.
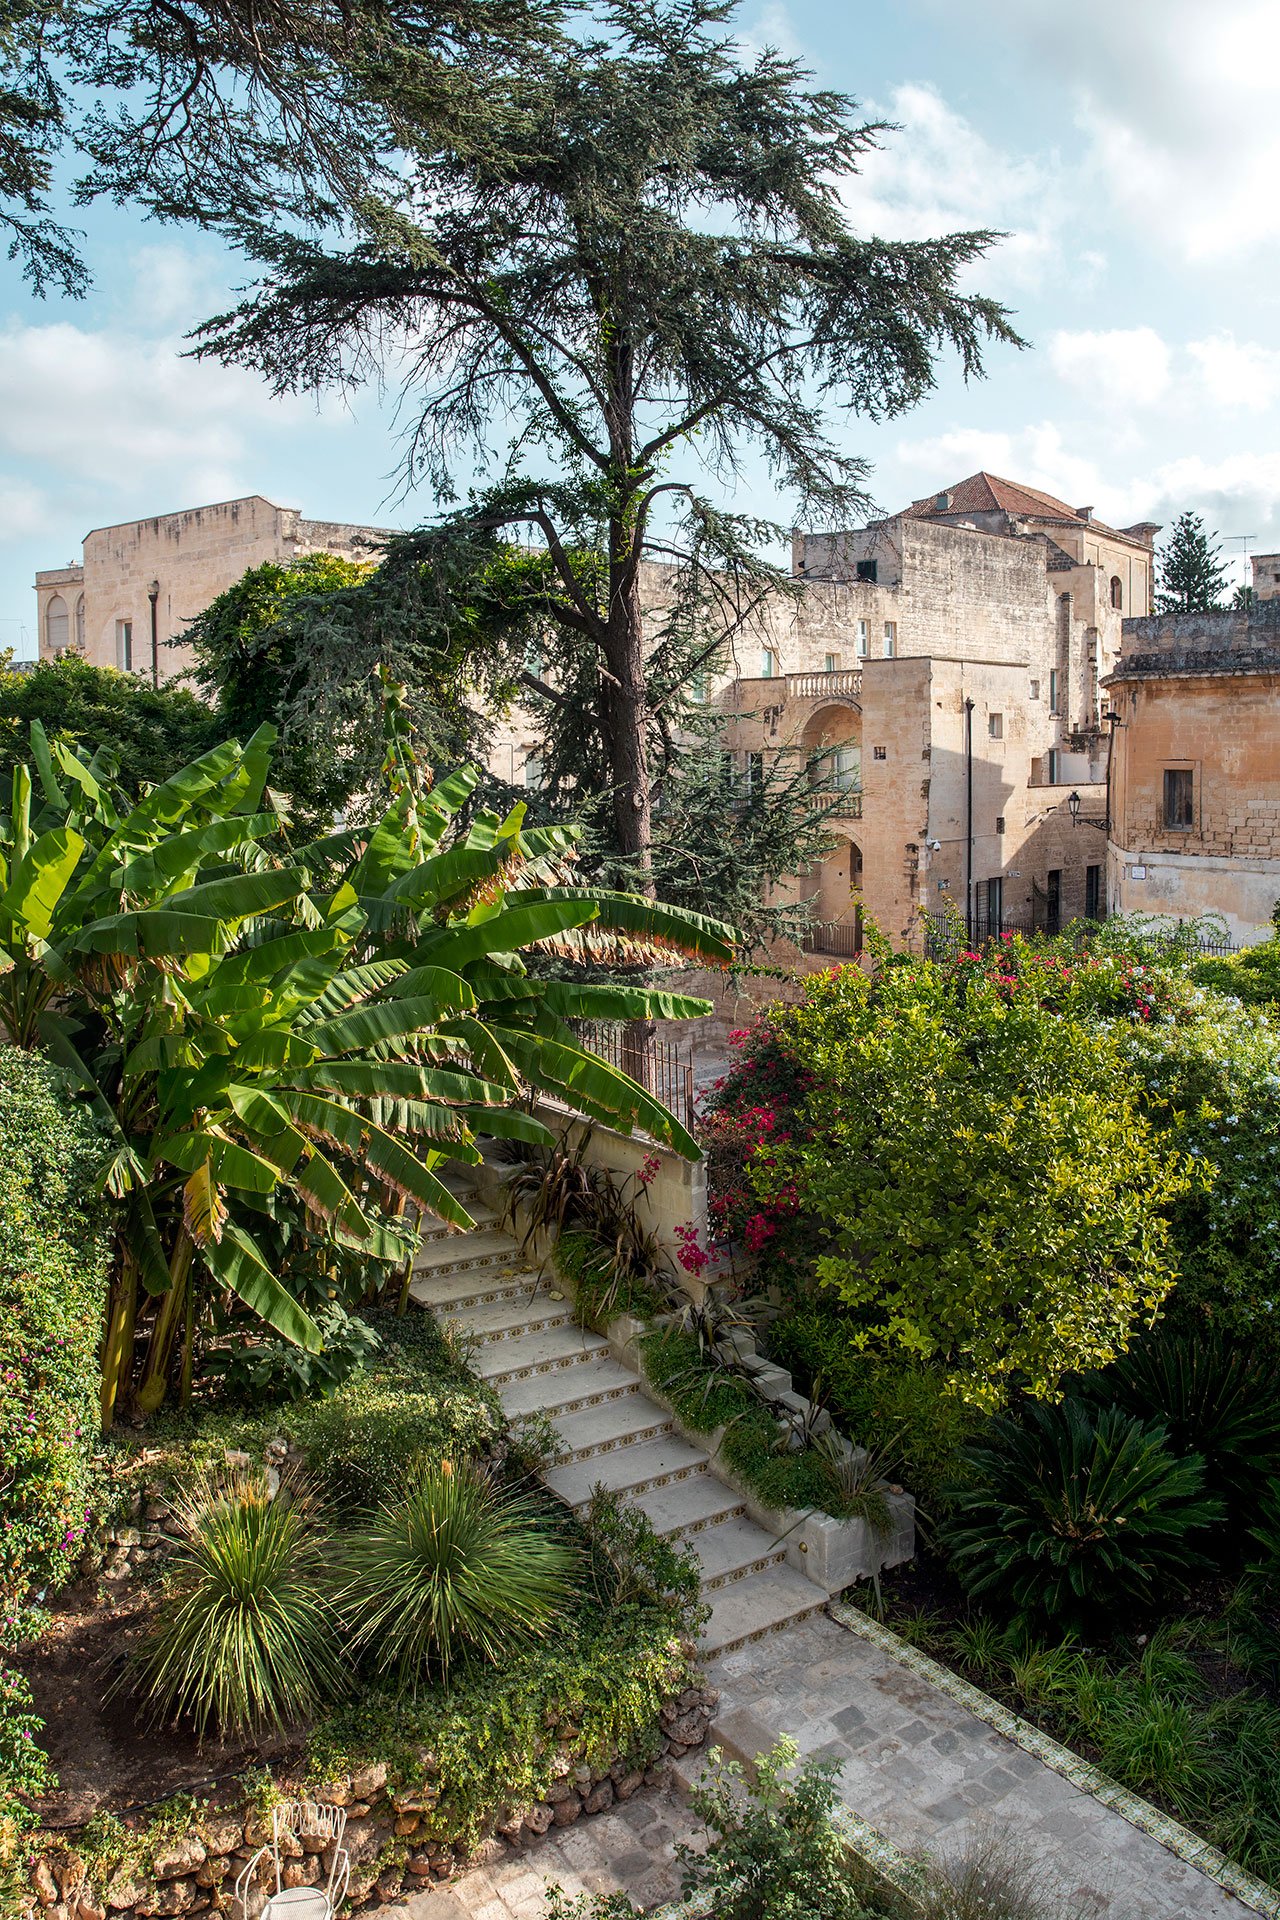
pixel 763 1633
pixel 615 1446
pixel 539 1324
pixel 499 1380
pixel 648 1484
pixel 587 1400
pixel 509 1290
pixel 505 1263
pixel 685 1529
pixel 718 1580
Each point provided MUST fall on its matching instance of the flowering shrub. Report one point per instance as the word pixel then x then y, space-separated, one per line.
pixel 963 1163
pixel 753 1111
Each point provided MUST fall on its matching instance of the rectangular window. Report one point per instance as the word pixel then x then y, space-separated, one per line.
pixel 890 639
pixel 1179 799
pixel 995 726
pixel 1034 690
pixel 867 570
pixel 999 823
pixel 880 753
pixel 533 770
pixel 833 663
pixel 755 772
pixel 1053 900
pixel 767 664
pixel 1051 766
pixel 862 639
pixel 124 645
pixel 995 904
pixel 1093 893
pixel 1053 689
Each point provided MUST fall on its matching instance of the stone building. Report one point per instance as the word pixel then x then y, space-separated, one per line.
pixel 1195 797
pixel 139 584
pixel 947 664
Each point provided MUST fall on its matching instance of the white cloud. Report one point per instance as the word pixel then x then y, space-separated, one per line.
pixel 1237 373
pixel 1179 102
pixel 1122 366
pixel 939 174
pixel 110 411
pixel 1036 455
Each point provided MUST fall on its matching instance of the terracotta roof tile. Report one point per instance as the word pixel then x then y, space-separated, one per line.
pixel 987 493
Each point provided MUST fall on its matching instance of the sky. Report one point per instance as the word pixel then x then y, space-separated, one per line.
pixel 1129 150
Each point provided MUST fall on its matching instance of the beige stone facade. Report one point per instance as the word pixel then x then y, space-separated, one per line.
pixel 142 582
pixel 949 663
pixel 1196 774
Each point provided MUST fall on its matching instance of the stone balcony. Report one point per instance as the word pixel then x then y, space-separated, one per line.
pixel 843 687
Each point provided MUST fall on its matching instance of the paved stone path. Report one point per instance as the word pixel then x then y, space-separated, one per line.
pixel 630 1849
pixel 927 1773
pixel 921 1769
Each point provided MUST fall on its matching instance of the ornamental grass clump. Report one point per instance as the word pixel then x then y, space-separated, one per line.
pixel 245 1637
pixel 1078 1514
pixel 455 1569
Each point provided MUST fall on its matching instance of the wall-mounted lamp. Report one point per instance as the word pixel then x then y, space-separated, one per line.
pixel 1077 820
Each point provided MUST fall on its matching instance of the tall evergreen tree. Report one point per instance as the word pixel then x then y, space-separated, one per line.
pixel 638 270
pixel 1190 576
pixel 210 107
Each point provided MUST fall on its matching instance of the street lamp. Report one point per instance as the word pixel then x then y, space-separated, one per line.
pixel 153 595
pixel 1073 808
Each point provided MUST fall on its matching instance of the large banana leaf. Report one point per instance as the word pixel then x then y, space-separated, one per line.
pixel 238 1264
pixel 39 881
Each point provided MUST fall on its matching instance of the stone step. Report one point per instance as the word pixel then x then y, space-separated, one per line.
pixel 735 1550
pixel 640 1467
pixel 762 1603
pixel 597 1381
pixel 681 1509
pixel 590 1431
pixel 509 1319
pixel 459 1252
pixel 435 1230
pixel 564 1346
pixel 452 1293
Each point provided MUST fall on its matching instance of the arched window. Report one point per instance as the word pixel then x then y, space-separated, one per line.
pixel 56 624
pixel 1117 591
pixel 80 623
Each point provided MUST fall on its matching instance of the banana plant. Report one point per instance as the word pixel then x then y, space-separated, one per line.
pixel 335 1025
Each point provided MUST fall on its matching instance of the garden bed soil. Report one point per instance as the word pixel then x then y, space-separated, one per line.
pixel 103 1750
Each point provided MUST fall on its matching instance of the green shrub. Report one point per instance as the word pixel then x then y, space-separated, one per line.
pixel 994 1194
pixel 1213 1082
pixel 911 1414
pixel 455 1567
pixel 1252 975
pixel 52 1294
pixel 1077 1514
pixel 704 1397
pixel 1213 1397
pixel 417 1399
pixel 599 1285
pixel 245 1637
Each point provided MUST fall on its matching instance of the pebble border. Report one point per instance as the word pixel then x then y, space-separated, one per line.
pixel 1139 1813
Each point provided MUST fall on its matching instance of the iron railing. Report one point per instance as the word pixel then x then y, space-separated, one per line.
pixel 662 1067
pixel 941 934
pixel 842 939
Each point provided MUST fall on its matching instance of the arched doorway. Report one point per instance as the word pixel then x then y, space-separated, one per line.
pixel 832 743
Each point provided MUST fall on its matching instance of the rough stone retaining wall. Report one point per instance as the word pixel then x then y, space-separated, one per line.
pixel 194 1871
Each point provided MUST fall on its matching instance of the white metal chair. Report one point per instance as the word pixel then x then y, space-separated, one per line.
pixel 297 1817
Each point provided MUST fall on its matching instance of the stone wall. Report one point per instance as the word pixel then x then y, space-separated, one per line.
pixel 193 1871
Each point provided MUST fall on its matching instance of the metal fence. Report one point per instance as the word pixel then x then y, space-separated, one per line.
pixel 840 938
pixel 662 1067
pixel 941 934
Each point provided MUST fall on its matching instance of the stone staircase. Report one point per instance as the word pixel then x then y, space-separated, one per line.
pixel 526 1345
